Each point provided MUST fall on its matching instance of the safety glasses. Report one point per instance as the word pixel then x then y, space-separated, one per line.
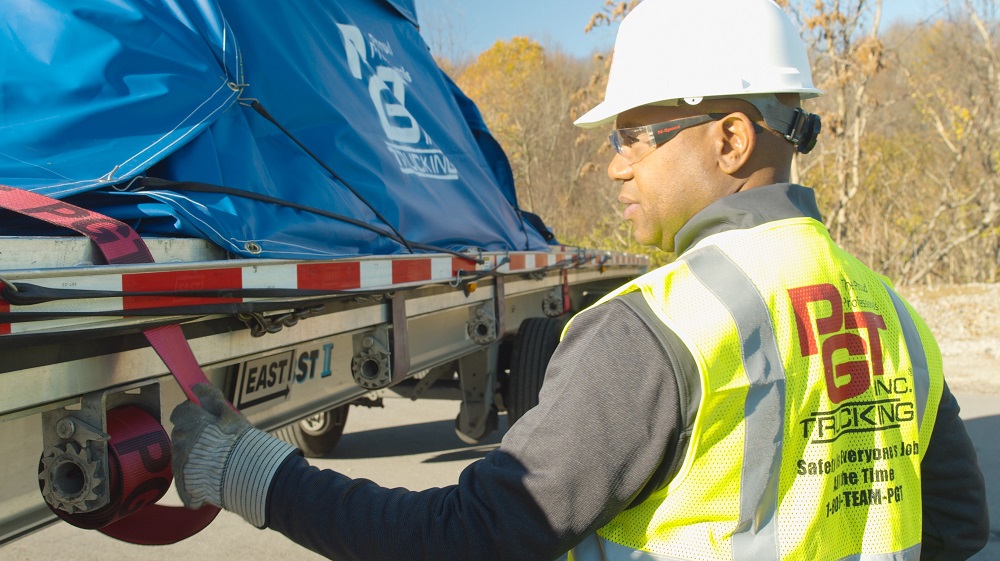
pixel 635 143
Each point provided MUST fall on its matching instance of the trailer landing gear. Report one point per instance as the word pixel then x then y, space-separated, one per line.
pixel 477 417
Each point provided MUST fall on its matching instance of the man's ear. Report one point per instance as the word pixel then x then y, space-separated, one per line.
pixel 736 144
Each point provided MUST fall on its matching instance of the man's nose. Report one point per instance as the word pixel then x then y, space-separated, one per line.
pixel 619 168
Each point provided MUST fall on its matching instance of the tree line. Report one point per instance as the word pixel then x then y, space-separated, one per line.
pixel 905 171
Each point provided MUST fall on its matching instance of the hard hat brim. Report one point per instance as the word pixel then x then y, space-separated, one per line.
pixel 604 113
pixel 607 111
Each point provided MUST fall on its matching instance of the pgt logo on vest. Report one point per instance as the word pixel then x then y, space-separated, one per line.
pixel 851 349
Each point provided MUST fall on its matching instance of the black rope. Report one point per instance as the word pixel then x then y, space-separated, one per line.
pixel 157 183
pixel 256 105
pixel 26 294
pixel 193 311
pixel 574 261
pixel 482 274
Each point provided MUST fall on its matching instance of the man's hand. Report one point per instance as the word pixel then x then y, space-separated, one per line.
pixel 219 458
pixel 202 439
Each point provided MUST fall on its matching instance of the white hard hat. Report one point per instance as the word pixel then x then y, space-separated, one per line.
pixel 670 50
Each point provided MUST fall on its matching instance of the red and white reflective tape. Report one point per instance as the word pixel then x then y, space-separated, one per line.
pixel 364 274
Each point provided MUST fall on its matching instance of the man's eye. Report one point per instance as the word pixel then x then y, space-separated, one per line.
pixel 628 140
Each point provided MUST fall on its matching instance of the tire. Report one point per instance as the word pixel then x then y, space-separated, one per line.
pixel 536 340
pixel 316 435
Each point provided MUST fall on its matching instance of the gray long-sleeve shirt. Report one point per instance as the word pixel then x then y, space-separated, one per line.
pixel 607 430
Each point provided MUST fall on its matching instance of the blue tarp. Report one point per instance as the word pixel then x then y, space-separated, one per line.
pixel 96 95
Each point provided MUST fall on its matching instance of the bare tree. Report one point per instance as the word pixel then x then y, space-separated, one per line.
pixel 958 97
pixel 847 55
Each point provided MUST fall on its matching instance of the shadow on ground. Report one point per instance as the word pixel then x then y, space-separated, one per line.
pixel 418 438
pixel 984 431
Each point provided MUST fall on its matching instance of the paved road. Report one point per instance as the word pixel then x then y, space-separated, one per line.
pixel 982 419
pixel 408 444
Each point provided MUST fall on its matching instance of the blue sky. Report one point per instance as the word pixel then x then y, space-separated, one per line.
pixel 459 28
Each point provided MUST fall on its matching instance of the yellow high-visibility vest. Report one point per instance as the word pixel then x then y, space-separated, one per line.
pixel 819 390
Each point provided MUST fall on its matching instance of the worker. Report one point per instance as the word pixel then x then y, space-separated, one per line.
pixel 766 396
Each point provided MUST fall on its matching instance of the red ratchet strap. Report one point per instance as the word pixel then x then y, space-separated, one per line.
pixel 119 244
pixel 136 484
pixel 567 303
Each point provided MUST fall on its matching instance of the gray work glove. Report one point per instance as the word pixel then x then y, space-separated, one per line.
pixel 219 458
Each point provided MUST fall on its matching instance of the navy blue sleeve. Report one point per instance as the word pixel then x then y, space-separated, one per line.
pixel 955 515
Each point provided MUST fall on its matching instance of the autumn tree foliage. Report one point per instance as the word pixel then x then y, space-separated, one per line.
pixel 952 74
pixel 529 97
pixel 906 169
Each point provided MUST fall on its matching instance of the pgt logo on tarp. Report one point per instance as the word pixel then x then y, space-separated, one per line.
pixel 409 144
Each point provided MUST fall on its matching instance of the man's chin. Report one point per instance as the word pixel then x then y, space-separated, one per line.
pixel 657 244
pixel 651 242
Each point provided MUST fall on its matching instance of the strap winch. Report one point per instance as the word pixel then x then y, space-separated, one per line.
pixel 138 447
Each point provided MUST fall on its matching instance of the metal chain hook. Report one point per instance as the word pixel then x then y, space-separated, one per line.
pixel 260 325
pixel 8 285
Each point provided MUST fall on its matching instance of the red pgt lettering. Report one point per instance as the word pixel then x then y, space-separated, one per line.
pixel 871 323
pixel 118 242
pixel 801 298
pixel 833 332
pixel 857 371
pixel 58 213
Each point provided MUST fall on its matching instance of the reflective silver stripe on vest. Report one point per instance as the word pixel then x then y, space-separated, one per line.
pixel 596 548
pixel 908 554
pixel 755 537
pixel 915 348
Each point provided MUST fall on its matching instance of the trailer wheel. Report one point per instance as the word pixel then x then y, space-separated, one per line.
pixel 316 435
pixel 536 340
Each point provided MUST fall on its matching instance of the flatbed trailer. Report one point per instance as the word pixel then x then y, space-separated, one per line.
pixel 292 343
pixel 302 209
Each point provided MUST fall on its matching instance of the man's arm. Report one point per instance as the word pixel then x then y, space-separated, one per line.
pixel 956 518
pixel 607 418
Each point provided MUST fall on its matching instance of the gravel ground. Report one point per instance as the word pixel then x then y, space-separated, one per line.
pixel 965 319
